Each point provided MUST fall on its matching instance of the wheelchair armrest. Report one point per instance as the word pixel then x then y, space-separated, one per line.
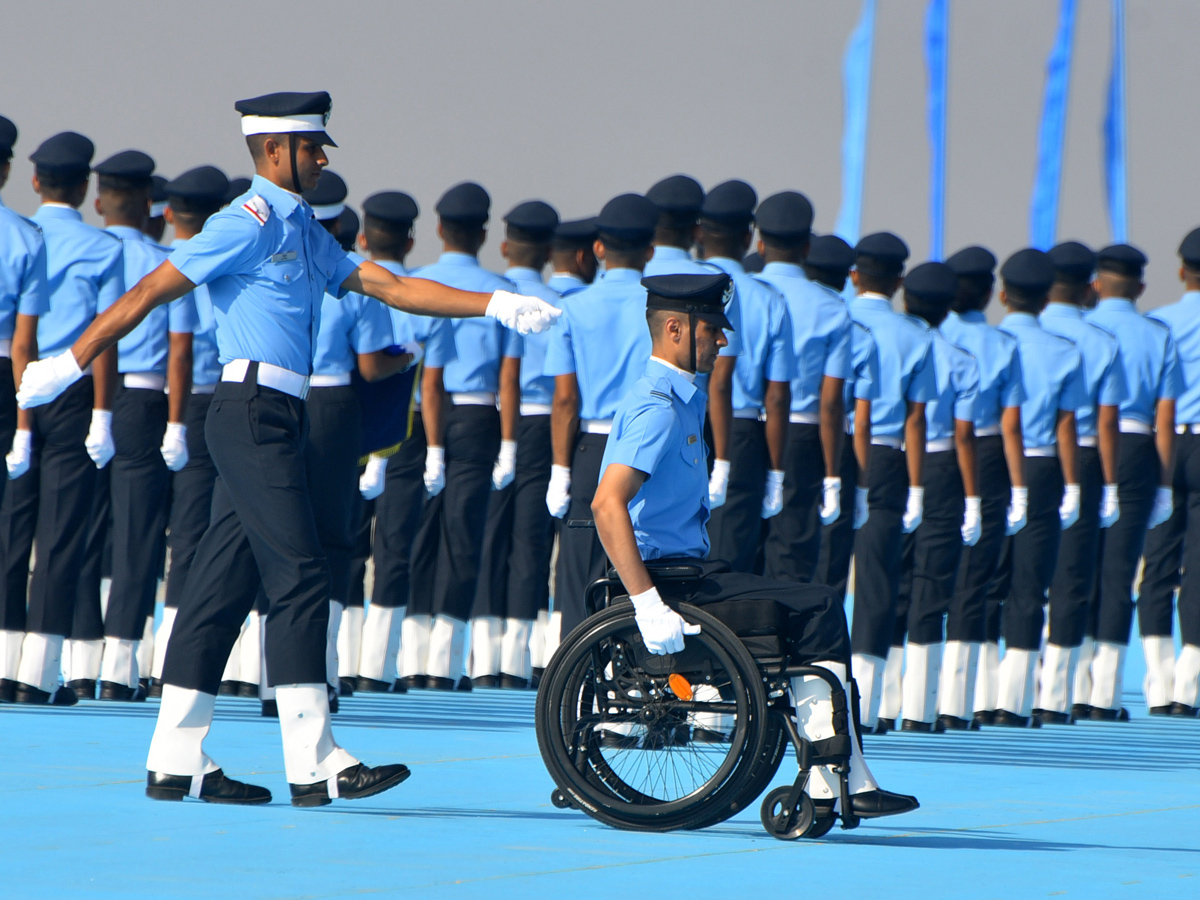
pixel 667 571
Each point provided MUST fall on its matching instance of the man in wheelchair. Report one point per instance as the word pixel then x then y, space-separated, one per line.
pixel 651 506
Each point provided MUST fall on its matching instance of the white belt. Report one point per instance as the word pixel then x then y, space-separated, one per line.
pixel 535 409
pixel 1051 450
pixel 340 380
pixel 894 442
pixel 988 431
pixel 1085 440
pixel 473 398
pixel 5 348
pixel 754 414
pixel 595 426
pixel 1187 429
pixel 941 445
pixel 805 419
pixel 203 388
pixel 276 377
pixel 1135 426
pixel 146 381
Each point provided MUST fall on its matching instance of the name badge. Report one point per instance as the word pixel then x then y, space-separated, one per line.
pixel 692 438
pixel 286 256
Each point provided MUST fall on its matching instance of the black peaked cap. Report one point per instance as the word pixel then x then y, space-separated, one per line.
pixel 1189 249
pixel 467 203
pixel 1028 270
pixel 203 185
pixel 127 164
pixel 330 190
pixel 395 207
pixel 933 281
pixel 973 261
pixel 788 214
pixel 1122 259
pixel 1073 262
pixel 830 252
pixel 67 152
pixel 628 217
pixel 730 203
pixel 679 195
pixel 535 218
pixel 701 295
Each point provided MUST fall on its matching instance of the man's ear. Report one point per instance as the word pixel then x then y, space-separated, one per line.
pixel 1141 289
pixel 504 249
pixel 99 207
pixel 362 243
pixel 169 215
pixel 598 249
pixel 760 247
pixel 854 278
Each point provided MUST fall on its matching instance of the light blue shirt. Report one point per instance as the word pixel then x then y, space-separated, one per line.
pixel 677 261
pixel 995 353
pixel 659 429
pixel 820 332
pixel 23 286
pixel 863 383
pixel 536 385
pixel 350 325
pixel 84 276
pixel 479 343
pixel 1181 319
pixel 1103 371
pixel 906 367
pixel 206 364
pixel 145 348
pixel 268 264
pixel 1052 374
pixel 434 333
pixel 957 378
pixel 564 282
pixel 1148 355
pixel 602 339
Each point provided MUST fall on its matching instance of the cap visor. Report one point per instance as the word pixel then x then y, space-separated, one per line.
pixel 719 319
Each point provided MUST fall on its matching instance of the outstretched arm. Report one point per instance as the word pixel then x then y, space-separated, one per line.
pixel 415 295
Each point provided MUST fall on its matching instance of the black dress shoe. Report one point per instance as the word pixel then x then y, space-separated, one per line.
pixel 144 683
pixel 485 681
pixel 878 803
pixel 919 727
pixel 8 690
pixel 954 723
pixel 111 690
pixel 84 688
pixel 983 717
pixel 1005 719
pixel 535 679
pixel 513 683
pixel 399 687
pixel 60 696
pixel 228 689
pixel 215 788
pixel 1080 711
pixel 367 685
pixel 414 682
pixel 270 709
pixel 434 683
pixel 155 689
pixel 1053 717
pixel 1183 711
pixel 1160 710
pixel 464 684
pixel 248 690
pixel 882 726
pixel 1109 715
pixel 346 686
pixel 354 783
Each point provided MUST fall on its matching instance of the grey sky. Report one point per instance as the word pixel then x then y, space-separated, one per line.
pixel 574 102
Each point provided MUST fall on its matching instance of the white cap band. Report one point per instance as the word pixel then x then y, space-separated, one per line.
pixel 157 209
pixel 281 125
pixel 328 212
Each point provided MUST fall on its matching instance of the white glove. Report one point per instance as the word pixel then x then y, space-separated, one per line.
pixel 558 492
pixel 99 442
pixel 370 482
pixel 1110 507
pixel 662 628
pixel 416 349
pixel 862 510
pixel 19 456
pixel 773 497
pixel 46 379
pixel 528 315
pixel 1068 510
pixel 914 510
pixel 972 526
pixel 831 500
pixel 505 468
pixel 1018 510
pixel 718 483
pixel 435 470
pixel 174 446
pixel 1164 504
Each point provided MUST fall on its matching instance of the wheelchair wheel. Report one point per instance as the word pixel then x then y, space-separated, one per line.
pixel 775 747
pixel 652 743
pixel 782 822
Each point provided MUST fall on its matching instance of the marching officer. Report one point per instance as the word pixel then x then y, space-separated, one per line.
pixel 572 259
pixel 269 263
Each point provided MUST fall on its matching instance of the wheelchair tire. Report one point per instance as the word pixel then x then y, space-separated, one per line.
pixel 779 822
pixel 775 747
pixel 594 681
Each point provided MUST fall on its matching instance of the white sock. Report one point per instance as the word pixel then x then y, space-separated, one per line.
pixel 1054 683
pixel 41 660
pixel 868 673
pixel 487 637
pixel 10 653
pixel 161 639
pixel 891 696
pixel 331 642
pixel 537 640
pixel 987 674
pixel 443 635
pixel 921 666
pixel 1081 683
pixel 1187 675
pixel 1015 694
pixel 82 659
pixel 514 648
pixel 177 748
pixel 1159 685
pixel 310 754
pixel 349 644
pixel 380 635
pixel 553 637
pixel 414 644
pixel 120 662
pixel 1107 664
pixel 956 680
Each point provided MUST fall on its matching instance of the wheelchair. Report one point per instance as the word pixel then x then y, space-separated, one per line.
pixel 686 740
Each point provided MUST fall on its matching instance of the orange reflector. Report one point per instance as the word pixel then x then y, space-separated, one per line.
pixel 681 688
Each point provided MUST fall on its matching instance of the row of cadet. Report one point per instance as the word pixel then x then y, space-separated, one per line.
pixel 908 442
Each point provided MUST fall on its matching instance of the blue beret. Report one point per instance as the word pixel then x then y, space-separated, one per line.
pixel 237 187
pixel 787 214
pixel 1028 270
pixel 204 185
pixel 1072 261
pixel 883 253
pixel 65 153
pixel 628 217
pixel 701 295
pixel 680 196
pixel 932 281
pixel 576 233
pixel 1122 259
pixel 132 164
pixel 8 136
pixel 395 207
pixel 1189 249
pixel 730 203
pixel 467 203
pixel 287 112
pixel 972 261
pixel 535 218
pixel 830 252
pixel 328 197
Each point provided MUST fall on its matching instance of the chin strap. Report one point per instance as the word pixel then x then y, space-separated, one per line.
pixel 292 152
pixel 692 351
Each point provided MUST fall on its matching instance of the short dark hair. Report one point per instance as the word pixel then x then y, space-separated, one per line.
pixel 521 252
pixel 974 292
pixel 624 256
pixel 126 203
pixel 63 181
pixel 465 236
pixel 670 234
pixel 386 238
pixel 835 279
pixel 1021 300
pixel 782 244
pixel 723 240
pixel 932 311
pixel 877 283
pixel 186 206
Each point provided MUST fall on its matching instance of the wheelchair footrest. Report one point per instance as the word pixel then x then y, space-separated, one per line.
pixel 831 751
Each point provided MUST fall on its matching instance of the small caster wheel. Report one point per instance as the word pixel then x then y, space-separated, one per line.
pixel 560 800
pixel 822 825
pixel 782 822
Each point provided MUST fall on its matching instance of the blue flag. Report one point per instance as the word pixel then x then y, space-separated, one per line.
pixel 856 88
pixel 937 17
pixel 1114 132
pixel 1043 205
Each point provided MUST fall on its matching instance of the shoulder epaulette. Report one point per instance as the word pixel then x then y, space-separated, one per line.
pixel 258 208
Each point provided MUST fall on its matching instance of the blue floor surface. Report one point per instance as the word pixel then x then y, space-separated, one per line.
pixel 1091 810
